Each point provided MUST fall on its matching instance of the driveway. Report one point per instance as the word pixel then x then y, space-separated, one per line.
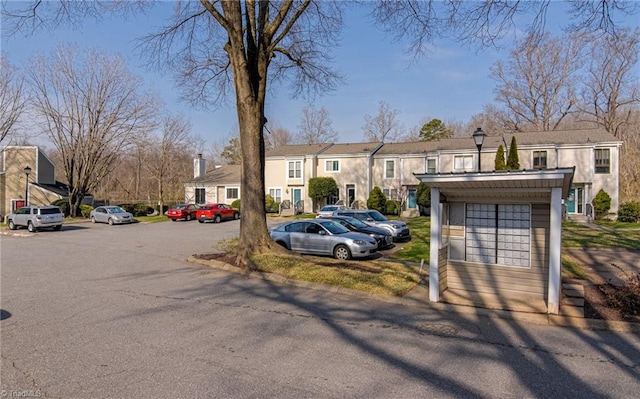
pixel 98 311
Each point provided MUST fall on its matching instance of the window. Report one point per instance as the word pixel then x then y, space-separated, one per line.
pixel 539 160
pixel 295 169
pixel 603 163
pixel 431 165
pixel 390 193
pixel 463 162
pixel 201 196
pixel 276 194
pixel 389 169
pixel 498 234
pixel 332 166
pixel 233 193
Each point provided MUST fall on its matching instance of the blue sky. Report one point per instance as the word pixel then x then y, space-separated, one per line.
pixel 451 83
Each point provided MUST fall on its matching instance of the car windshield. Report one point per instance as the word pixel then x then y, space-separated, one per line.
pixel 356 222
pixel 377 216
pixel 333 227
pixel 115 209
pixel 329 208
pixel 181 206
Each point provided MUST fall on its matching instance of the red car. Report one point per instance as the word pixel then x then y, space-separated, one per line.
pixel 216 213
pixel 183 211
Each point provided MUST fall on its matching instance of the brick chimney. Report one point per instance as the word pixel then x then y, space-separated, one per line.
pixel 199 167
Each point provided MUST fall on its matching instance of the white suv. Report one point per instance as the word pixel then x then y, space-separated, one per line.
pixel 36 217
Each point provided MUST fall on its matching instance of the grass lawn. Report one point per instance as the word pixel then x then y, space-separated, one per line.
pixel 615 235
pixel 374 276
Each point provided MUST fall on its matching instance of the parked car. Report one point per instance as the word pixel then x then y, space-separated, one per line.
pixel 216 213
pixel 36 217
pixel 183 211
pixel 398 229
pixel 382 236
pixel 328 210
pixel 110 214
pixel 323 237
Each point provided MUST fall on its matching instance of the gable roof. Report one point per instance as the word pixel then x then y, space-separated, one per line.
pixel 351 149
pixel 225 174
pixel 556 137
pixel 296 150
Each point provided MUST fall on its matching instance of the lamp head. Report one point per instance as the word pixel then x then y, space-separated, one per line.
pixel 27 170
pixel 478 137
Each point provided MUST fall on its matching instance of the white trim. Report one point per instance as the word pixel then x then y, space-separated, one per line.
pixel 434 246
pixel 555 251
pixel 331 170
pixel 384 173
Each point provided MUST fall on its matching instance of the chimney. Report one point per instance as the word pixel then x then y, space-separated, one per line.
pixel 199 167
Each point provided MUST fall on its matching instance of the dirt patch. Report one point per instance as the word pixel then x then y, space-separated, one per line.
pixel 602 301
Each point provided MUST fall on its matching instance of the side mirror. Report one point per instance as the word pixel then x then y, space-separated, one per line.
pixel 322 233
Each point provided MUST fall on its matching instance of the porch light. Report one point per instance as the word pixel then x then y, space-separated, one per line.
pixel 478 138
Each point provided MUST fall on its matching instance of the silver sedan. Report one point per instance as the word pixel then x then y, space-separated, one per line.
pixel 323 237
pixel 110 214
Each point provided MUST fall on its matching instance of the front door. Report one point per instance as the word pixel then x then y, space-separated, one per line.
pixel 296 195
pixel 351 194
pixel 411 198
pixel 570 202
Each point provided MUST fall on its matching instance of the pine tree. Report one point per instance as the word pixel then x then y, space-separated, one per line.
pixel 500 164
pixel 512 162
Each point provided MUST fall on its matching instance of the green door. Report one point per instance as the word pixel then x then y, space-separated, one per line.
pixel 571 201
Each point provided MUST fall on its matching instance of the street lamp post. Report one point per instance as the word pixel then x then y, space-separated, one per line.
pixel 478 138
pixel 27 171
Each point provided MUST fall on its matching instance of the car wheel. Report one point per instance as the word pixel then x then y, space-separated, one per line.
pixel 341 252
pixel 174 220
pixel 12 226
pixel 93 219
pixel 217 219
pixel 200 221
pixel 31 227
pixel 57 228
pixel 110 221
pixel 236 216
pixel 188 218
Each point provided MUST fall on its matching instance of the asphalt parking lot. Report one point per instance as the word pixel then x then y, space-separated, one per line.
pixel 99 311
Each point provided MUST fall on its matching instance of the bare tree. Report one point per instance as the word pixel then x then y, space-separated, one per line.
pixel 278 136
pixel 536 86
pixel 217 46
pixel 231 153
pixel 384 126
pixel 486 23
pixel 90 109
pixel 169 161
pixel 12 97
pixel 315 126
pixel 611 89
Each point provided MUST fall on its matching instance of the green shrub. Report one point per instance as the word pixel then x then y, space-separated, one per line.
pixel 377 200
pixel 270 205
pixel 500 164
pixel 63 204
pixel 629 212
pixel 601 204
pixel 513 163
pixel 236 204
pixel 142 210
pixel 85 210
pixel 392 207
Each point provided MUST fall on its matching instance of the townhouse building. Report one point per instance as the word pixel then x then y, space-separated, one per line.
pixel 358 167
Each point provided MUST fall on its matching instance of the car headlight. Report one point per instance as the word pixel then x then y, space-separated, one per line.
pixel 359 242
pixel 397 227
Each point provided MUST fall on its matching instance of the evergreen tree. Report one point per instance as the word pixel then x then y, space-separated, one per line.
pixel 377 200
pixel 512 162
pixel 500 164
pixel 435 129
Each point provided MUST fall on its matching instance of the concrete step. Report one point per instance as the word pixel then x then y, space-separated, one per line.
pixel 571 311
pixel 573 302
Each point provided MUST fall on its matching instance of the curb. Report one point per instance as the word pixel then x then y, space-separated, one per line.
pixel 533 318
